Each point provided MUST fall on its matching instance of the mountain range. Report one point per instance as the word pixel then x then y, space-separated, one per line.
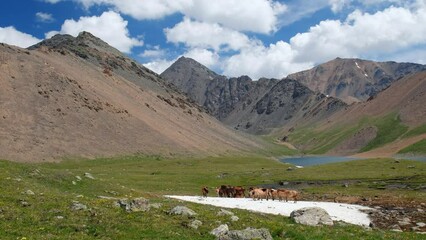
pixel 73 97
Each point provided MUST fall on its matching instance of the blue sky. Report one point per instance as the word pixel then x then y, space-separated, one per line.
pixel 259 38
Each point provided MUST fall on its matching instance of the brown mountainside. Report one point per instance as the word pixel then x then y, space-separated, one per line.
pixel 354 80
pixel 79 97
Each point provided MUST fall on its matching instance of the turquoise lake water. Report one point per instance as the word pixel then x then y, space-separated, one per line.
pixel 318 160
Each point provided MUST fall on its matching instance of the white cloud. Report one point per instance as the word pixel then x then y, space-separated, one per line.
pixel 109 26
pixel 44 17
pixel 255 15
pixel 206 35
pixel 159 66
pixel 338 5
pixel 362 35
pixel 208 58
pixel 12 36
pixel 155 52
pixel 274 61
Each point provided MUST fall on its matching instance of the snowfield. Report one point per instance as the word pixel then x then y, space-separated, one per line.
pixel 338 211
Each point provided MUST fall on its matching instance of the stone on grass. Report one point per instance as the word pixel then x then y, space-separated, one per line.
pixel 195 224
pixel 221 230
pixel 224 212
pixel 29 192
pixel 134 205
pixel 247 234
pixel 76 206
pixel 182 210
pixel 421 224
pixel 234 218
pixel 312 216
pixel 89 175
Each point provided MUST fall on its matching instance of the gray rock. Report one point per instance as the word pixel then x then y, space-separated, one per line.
pixel 404 221
pixel 78 178
pixel 221 230
pixel 312 216
pixel 59 217
pixel 234 218
pixel 25 203
pixel 195 224
pixel 134 205
pixel 74 183
pixel 247 234
pixel 224 212
pixel 76 206
pixel 155 205
pixel 182 210
pixel 29 192
pixel 421 224
pixel 89 175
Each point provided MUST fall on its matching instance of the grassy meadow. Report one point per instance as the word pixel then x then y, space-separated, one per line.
pixel 47 213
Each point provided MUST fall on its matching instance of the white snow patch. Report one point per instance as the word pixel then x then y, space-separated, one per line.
pixel 365 74
pixel 349 213
pixel 357 65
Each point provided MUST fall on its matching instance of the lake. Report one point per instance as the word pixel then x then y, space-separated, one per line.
pixel 318 160
pixel 315 160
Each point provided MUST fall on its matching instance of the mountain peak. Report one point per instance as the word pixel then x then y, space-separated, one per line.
pixel 76 44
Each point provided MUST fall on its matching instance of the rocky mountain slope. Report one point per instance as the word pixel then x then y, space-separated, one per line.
pixel 388 122
pixel 354 80
pixel 252 106
pixel 79 97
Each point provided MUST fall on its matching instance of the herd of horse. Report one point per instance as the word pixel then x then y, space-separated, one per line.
pixel 254 192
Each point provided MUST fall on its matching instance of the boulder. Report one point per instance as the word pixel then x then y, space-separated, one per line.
pixel 221 230
pixel 29 192
pixel 134 205
pixel 76 206
pixel 312 216
pixel 234 218
pixel 182 210
pixel 247 234
pixel 89 175
pixel 224 212
pixel 195 224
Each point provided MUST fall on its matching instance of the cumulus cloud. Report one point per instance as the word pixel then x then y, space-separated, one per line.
pixel 154 52
pixel 206 57
pixel 44 17
pixel 273 61
pixel 255 15
pixel 12 36
pixel 206 35
pixel 159 65
pixel 362 35
pixel 109 26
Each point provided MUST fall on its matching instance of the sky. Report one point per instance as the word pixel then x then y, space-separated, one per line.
pixel 258 38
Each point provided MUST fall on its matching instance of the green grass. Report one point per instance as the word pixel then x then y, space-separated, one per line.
pixel 416 148
pixel 416 131
pixel 152 177
pixel 389 129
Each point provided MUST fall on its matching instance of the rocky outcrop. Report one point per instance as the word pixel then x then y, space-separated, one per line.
pixel 253 106
pixel 134 205
pixel 312 216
